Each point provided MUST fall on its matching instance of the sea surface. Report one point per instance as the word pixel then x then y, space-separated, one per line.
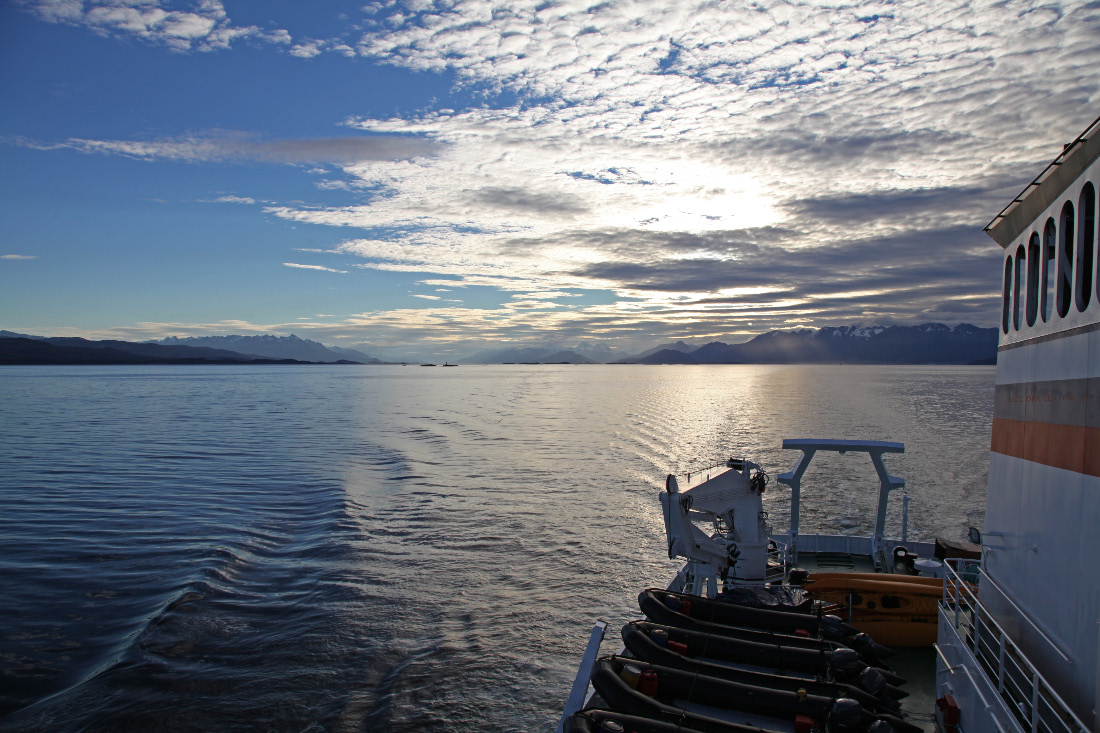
pixel 307 548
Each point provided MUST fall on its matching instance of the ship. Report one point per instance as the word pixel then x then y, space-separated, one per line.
pixel 765 631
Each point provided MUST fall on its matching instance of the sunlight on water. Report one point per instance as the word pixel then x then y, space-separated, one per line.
pixel 396 548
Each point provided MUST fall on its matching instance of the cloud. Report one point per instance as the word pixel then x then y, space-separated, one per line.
pixel 203 26
pixel 228 146
pixel 527 202
pixel 18 257
pixel 345 150
pixel 895 205
pixel 840 159
pixel 306 50
pixel 314 267
pixel 703 166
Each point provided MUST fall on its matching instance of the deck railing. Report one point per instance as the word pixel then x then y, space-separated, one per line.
pixel 1031 699
pixel 777 561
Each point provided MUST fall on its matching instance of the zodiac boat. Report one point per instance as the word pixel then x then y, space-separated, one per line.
pixel 672 690
pixel 717 656
pixel 1016 610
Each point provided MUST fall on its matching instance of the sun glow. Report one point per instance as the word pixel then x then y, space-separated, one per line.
pixel 691 197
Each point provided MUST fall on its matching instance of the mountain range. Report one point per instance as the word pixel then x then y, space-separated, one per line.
pixel 274 347
pixel 930 343
pixel 16 348
pixel 531 355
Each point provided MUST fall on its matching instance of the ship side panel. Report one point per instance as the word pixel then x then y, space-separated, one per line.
pixel 1090 539
pixel 1042 547
pixel 1043 503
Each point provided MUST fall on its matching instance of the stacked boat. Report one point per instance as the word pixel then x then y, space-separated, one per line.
pixel 730 664
pixel 758 632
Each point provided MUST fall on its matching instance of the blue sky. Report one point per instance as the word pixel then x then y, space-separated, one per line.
pixel 421 177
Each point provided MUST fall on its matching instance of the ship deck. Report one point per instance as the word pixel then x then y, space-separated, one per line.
pixel 835 562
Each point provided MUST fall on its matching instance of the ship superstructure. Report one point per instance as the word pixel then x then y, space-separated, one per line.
pixel 1031 647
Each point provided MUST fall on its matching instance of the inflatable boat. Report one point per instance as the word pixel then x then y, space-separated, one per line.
pixel 724 610
pixel 802 631
pixel 648 690
pixel 840 663
pixel 669 647
pixel 608 721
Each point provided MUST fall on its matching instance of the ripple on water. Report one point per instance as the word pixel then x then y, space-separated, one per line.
pixel 378 548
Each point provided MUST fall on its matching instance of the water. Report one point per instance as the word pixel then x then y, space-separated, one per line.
pixel 396 548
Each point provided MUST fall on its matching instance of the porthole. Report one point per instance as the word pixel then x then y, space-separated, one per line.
pixel 1006 308
pixel 1017 277
pixel 894 602
pixel 1065 260
pixel 1086 244
pixel 1033 267
pixel 1050 270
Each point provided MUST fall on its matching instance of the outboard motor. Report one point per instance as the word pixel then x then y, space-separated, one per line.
pixel 869 649
pixel 834 628
pixel 846 665
pixel 873 683
pixel 846 716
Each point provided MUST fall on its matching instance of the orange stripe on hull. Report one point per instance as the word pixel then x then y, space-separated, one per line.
pixel 1070 447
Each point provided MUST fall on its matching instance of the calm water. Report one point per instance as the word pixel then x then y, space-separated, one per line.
pixel 395 548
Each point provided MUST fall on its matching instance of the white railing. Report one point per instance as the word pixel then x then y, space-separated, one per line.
pixel 777 554
pixel 1031 699
pixel 581 693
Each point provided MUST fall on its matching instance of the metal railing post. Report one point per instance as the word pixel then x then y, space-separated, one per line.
pixel 1035 701
pixel 976 625
pixel 1001 665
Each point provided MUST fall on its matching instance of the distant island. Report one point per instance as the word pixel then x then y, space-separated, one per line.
pixel 33 350
pixel 929 343
pixel 275 347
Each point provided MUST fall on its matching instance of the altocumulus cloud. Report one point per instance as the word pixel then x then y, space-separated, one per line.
pixel 713 165
pixel 202 26
pixel 675 154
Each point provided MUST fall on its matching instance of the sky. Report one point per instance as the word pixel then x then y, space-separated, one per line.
pixel 436 177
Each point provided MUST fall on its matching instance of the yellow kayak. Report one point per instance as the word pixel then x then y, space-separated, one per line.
pixel 911 631
pixel 879 577
pixel 892 609
pixel 883 584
